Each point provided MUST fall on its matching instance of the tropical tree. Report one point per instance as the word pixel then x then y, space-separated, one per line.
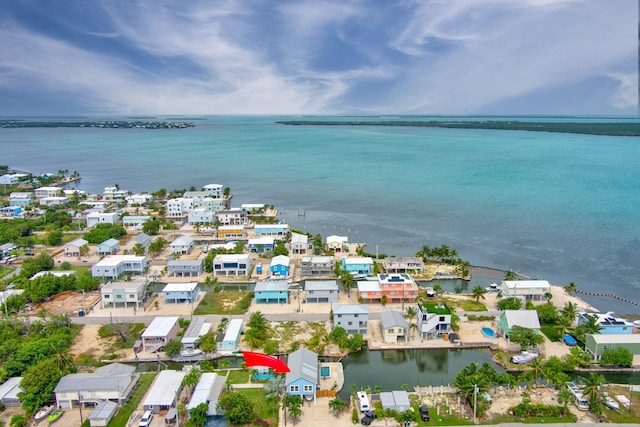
pixel 537 370
pixel 138 249
pixel 510 275
pixel 348 282
pixel 337 405
pixel 590 326
pixel 410 313
pixel 593 391
pixel 478 292
pixel 191 379
pixel 294 406
pixel 564 324
pixel 172 347
pixel 571 288
pixel 564 398
pixel 526 337
pixel 237 408
pixel 570 310
pixel 198 415
pixel 548 296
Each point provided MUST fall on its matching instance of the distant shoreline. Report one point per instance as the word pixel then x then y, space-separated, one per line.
pixel 605 129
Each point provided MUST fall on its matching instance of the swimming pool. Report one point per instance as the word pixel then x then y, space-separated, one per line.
pixel 488 332
pixel 325 371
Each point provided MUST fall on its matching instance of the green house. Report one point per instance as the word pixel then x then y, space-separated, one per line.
pixel 524 318
pixel 596 344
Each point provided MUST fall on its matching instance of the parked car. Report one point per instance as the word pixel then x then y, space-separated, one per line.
pixel 368 417
pixel 145 421
pixel 424 413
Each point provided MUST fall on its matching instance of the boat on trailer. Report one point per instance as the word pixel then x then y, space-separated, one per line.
pixel 43 412
pixel 611 403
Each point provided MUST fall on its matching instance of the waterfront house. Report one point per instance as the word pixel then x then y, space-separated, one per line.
pixel 394 287
pixel 112 266
pixel 208 391
pixel 141 238
pixel 299 243
pixel 43 192
pixel 135 221
pixel 180 293
pixel 201 216
pixel 524 318
pixel 113 382
pixel 54 200
pixel 182 245
pixel 528 289
pixel 196 330
pixel 179 207
pixel 11 211
pixel 210 204
pixel 164 392
pixel 231 265
pixel 95 218
pixel 609 322
pixel 434 320
pixel 113 193
pixel 73 248
pixel 337 244
pixel 138 199
pixel 316 266
pixel 12 178
pixel 232 336
pixel 215 191
pixel 267 292
pixel 596 344
pixel 354 318
pixel 358 265
pixel 403 265
pixel 261 245
pixel 185 267
pixel 9 392
pixel 274 230
pixel 21 198
pixel 394 326
pixel 397 400
pixel 231 232
pixel 279 266
pixel 302 378
pixel 233 216
pixel 160 331
pixel 124 293
pixel 108 247
pixel 321 291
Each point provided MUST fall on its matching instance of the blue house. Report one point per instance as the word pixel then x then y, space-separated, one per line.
pixel 358 265
pixel 271 292
pixel 609 322
pixel 280 266
pixel 302 379
pixel 273 230
pixel 108 247
pixel 261 245
pixel 180 292
pixel 11 211
pixel 231 337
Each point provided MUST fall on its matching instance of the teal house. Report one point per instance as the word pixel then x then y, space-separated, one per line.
pixel 271 292
pixel 358 265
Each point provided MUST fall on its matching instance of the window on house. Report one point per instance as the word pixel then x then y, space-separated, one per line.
pixel 308 388
pixel 294 388
pixel 350 323
pixel 441 318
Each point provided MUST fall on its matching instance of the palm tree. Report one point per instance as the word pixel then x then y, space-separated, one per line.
pixel 591 326
pixel 478 292
pixel 410 313
pixel 537 370
pixel 570 310
pixel 191 380
pixel 548 296
pixel 336 405
pixel 564 323
pixel 564 398
pixel 138 249
pixel 347 280
pixel 593 391
pixel 571 288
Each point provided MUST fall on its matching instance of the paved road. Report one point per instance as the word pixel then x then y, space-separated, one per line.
pixel 213 318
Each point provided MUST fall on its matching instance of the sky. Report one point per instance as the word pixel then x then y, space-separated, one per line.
pixel 464 57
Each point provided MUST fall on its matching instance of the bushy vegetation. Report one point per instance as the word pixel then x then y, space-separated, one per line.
pixel 510 304
pixel 617 357
pixel 102 232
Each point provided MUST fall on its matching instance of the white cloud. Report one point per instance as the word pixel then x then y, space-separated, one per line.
pixel 626 95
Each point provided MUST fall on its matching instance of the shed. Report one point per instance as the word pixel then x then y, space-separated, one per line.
pixel 397 400
pixel 102 413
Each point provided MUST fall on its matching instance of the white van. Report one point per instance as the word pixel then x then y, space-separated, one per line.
pixel 363 401
pixel 145 421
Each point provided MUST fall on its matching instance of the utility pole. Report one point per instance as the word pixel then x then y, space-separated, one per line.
pixel 475 403
pixel 80 405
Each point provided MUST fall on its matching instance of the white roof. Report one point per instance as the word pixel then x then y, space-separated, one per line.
pixel 114 260
pixel 252 205
pixel 233 330
pixel 231 227
pixel 320 285
pixel 358 260
pixel 280 260
pixel 232 257
pixel 299 238
pixel 616 338
pixel 368 286
pixel 10 388
pixel 337 239
pixel 526 284
pixel 317 259
pixel 160 326
pixel 271 226
pixel 266 240
pixel 78 243
pixel 165 388
pixel 121 284
pixel 49 188
pixel 180 287
pixel 524 318
pixel 182 241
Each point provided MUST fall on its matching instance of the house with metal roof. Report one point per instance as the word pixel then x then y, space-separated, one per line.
pixel 354 318
pixel 357 265
pixel 160 331
pixel 232 336
pixel 321 291
pixel 112 266
pixel 596 344
pixel 299 243
pixel 164 391
pixel 397 400
pixel 208 390
pixel 141 238
pixel 403 265
pixel 108 247
pixel 271 292
pixel 9 392
pixel 95 218
pixel 314 266
pixel 197 328
pixel 279 266
pixel 180 293
pixel 609 322
pixel 394 326
pixel 337 243
pixel 111 382
pixel 528 289
pixel 302 379
pixel 182 245
pixel 523 318
pixel 261 245
pixel 73 248
pixel 185 267
pixel 123 293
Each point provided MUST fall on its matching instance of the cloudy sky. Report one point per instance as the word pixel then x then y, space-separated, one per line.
pixel 318 56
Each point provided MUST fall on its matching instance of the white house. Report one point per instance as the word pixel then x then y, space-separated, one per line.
pixel 43 192
pixel 182 245
pixel 180 293
pixel 95 218
pixel 394 326
pixel 138 199
pixel 179 207
pixel 21 199
pixel 215 191
pixel 164 391
pixel 114 193
pixel 529 289
pixel 299 243
pixel 337 243
pixel 231 265
pixel 112 266
pixel 54 200
pixel 135 221
pixel 125 293
pixel 73 248
pixel 233 216
pixel 160 331
pixel 201 216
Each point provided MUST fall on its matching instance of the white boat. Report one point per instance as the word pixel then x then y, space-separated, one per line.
pixel 191 352
pixel 524 357
pixel 636 323
pixel 43 412
pixel 610 403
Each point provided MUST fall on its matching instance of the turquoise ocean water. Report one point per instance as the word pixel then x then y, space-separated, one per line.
pixel 560 207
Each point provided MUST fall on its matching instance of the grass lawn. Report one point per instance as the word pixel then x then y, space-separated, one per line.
pixel 121 418
pixel 465 305
pixel 4 271
pixel 533 420
pixel 625 415
pixel 239 376
pixel 551 332
pixel 267 411
pixel 445 420
pixel 225 302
